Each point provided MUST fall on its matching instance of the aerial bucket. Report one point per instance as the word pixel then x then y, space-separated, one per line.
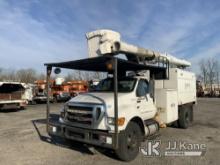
pixel 100 42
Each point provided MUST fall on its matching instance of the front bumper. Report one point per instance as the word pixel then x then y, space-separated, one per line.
pixel 40 99
pixel 87 136
pixel 63 98
pixel 13 104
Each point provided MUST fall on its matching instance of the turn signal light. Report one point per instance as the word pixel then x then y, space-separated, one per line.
pixel 121 121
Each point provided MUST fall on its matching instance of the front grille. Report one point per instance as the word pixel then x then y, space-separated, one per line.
pixel 83 115
pixel 80 118
pixel 83 108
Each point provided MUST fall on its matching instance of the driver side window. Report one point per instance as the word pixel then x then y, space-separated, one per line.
pixel 142 88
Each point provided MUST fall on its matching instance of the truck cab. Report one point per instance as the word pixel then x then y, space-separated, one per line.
pixel 135 101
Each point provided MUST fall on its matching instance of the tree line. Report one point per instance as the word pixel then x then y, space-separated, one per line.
pixel 209 72
pixel 30 75
pixel 22 75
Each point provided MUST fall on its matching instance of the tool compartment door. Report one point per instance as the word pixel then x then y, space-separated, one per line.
pixel 167 104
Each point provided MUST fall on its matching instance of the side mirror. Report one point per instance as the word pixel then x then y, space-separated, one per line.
pixel 57 70
pixel 140 92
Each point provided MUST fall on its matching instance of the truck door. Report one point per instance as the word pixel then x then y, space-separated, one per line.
pixel 145 102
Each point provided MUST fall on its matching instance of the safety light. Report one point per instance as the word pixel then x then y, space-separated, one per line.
pixel 109 65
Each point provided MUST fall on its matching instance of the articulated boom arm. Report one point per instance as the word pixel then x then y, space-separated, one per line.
pixel 102 42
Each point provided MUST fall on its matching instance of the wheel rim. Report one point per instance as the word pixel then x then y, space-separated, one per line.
pixel 132 141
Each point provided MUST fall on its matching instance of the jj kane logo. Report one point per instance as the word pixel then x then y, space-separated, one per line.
pixel 173 148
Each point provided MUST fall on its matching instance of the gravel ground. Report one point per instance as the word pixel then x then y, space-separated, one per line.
pixel 23 140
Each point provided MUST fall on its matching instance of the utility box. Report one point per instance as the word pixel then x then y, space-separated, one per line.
pixel 167 105
pixel 184 82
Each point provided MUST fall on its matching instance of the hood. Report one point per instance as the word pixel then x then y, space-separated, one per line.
pixel 99 97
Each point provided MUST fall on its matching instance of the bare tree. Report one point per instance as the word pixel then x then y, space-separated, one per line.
pixel 217 73
pixel 217 79
pixel 41 76
pixel 68 77
pixel 30 75
pixel 212 69
pixel 1 74
pixel 84 75
pixel 94 75
pixel 74 75
pixel 26 75
pixel 8 75
pixel 204 71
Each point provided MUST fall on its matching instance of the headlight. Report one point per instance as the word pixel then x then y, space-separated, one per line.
pixel 111 121
pixel 63 110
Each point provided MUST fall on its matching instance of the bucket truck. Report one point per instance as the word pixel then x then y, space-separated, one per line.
pixel 141 93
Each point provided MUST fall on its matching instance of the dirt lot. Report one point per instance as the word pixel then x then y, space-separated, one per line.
pixel 23 140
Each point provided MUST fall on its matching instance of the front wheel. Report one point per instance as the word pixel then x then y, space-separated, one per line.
pixel 129 142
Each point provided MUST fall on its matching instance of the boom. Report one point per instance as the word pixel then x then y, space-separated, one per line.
pixel 102 42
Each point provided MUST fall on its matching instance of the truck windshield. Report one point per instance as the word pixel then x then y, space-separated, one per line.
pixel 124 85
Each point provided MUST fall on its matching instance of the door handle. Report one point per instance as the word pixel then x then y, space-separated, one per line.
pixel 138 101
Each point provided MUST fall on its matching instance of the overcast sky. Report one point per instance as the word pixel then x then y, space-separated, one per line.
pixel 33 32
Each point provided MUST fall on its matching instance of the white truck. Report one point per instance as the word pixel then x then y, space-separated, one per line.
pixel 29 93
pixel 140 94
pixel 12 95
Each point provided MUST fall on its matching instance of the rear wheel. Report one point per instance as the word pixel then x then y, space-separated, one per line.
pixel 185 116
pixel 129 142
pixel 22 108
pixel 33 102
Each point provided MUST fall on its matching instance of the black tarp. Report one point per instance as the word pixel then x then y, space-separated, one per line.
pixel 100 64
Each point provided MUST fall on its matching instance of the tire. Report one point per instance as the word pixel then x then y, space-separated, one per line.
pixel 33 102
pixel 185 116
pixel 129 142
pixel 191 114
pixel 21 108
pixel 54 100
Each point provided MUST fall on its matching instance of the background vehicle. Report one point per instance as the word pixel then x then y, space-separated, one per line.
pixel 29 93
pixel 142 93
pixel 40 93
pixel 60 90
pixel 12 95
pixel 199 89
pixel 77 86
pixel 93 84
